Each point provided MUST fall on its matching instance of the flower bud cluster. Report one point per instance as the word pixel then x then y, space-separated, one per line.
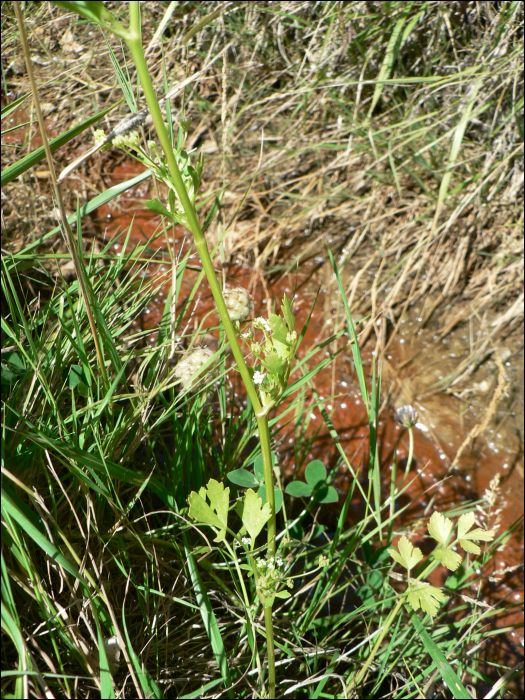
pixel 239 303
pixel 130 140
pixel 188 370
pixel 268 579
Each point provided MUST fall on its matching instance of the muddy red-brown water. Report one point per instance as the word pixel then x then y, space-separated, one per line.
pixel 413 363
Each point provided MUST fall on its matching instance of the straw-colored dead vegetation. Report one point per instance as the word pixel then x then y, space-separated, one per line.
pixel 416 181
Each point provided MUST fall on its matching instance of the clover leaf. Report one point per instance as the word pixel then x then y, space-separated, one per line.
pixel 423 595
pixel 408 555
pixel 465 537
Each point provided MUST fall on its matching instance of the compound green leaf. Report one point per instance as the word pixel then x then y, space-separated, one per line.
pixel 428 598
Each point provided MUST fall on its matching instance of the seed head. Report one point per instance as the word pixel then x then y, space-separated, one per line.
pixel 188 369
pixel 239 303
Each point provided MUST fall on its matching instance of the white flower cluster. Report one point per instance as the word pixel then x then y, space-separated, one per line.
pixel 258 377
pixel 269 563
pixel 245 540
pixel 187 371
pixel 239 303
pixel 263 324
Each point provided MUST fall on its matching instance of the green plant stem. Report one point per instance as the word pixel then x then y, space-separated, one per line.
pixel 409 458
pixel 374 651
pixel 410 450
pixel 134 43
pixel 270 651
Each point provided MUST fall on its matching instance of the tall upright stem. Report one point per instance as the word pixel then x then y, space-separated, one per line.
pixel 134 43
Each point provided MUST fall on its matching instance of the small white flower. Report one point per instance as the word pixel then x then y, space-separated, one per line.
pixel 279 561
pixel 246 540
pixel 264 323
pixel 258 377
pixel 246 335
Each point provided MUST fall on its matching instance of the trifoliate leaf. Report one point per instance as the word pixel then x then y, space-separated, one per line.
pixel 424 596
pixel 440 528
pixel 408 555
pixel 447 557
pixel 465 522
pixel 253 514
pixel 217 514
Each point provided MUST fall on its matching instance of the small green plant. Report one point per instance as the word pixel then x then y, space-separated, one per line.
pixel 419 594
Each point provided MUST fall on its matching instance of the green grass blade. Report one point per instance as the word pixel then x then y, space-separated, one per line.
pixel 16 169
pixel 446 671
pixel 148 685
pixel 353 337
pixel 208 618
